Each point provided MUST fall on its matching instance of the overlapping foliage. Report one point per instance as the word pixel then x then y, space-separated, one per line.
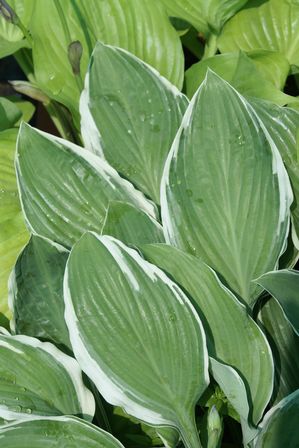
pixel 155 301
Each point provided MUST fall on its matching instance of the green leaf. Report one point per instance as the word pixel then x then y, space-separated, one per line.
pixel 56 431
pixel 72 190
pixel 280 425
pixel 233 338
pixel 235 67
pixel 139 26
pixel 38 379
pixel 130 115
pixel 272 26
pixel 13 233
pixel 131 225
pixel 9 114
pixel 205 15
pixel 284 287
pixel 155 365
pixel 36 292
pixel 222 179
pixel 282 124
pixel 26 108
pixel 284 344
pixel 11 37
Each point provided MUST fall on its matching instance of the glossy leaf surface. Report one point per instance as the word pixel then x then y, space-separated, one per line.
pixel 233 338
pixel 155 365
pixel 73 188
pixel 36 292
pixel 38 379
pixel 135 114
pixel 56 431
pixel 222 179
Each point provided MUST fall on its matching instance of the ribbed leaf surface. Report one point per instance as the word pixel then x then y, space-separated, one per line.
pixel 62 432
pixel 284 286
pixel 271 26
pixel 36 292
pixel 135 114
pixel 280 426
pixel 225 193
pixel 131 225
pixel 65 190
pixel 38 379
pixel 233 338
pixel 152 358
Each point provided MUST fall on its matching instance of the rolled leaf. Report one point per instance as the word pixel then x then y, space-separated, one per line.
pixel 36 292
pixel 131 225
pixel 233 338
pixel 56 431
pixel 284 286
pixel 222 179
pixel 38 379
pixel 135 114
pixel 155 364
pixel 72 190
pixel 284 343
pixel 280 425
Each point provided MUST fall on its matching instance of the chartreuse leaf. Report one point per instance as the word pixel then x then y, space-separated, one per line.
pixel 282 124
pixel 131 225
pixel 155 365
pixel 56 431
pixel 139 26
pixel 9 114
pixel 205 15
pixel 272 26
pixel 284 344
pixel 284 286
pixel 135 114
pixel 280 425
pixel 222 179
pixel 11 37
pixel 38 379
pixel 73 189
pixel 234 68
pixel 233 338
pixel 36 292
pixel 13 233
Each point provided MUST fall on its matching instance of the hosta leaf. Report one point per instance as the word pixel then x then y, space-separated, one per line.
pixel 205 15
pixel 272 26
pixel 155 364
pixel 56 431
pixel 36 292
pixel 139 26
pixel 26 108
pixel 284 344
pixel 131 225
pixel 234 68
pixel 233 338
pixel 11 37
pixel 135 114
pixel 13 233
pixel 284 286
pixel 72 190
pixel 222 179
pixel 280 424
pixel 282 124
pixel 9 114
pixel 38 379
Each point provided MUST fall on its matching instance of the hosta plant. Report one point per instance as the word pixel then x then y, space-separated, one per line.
pixel 142 301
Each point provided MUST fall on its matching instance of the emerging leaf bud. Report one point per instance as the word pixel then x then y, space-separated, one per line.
pixel 214 428
pixel 8 13
pixel 75 51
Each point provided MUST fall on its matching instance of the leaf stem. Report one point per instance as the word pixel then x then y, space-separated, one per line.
pixel 210 47
pixel 189 433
